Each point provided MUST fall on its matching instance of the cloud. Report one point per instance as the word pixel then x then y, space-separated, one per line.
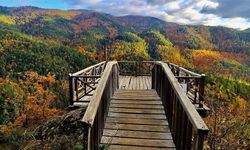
pixel 230 8
pixel 80 3
pixel 194 12
pixel 158 2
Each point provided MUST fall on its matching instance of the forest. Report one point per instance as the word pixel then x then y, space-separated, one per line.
pixel 40 47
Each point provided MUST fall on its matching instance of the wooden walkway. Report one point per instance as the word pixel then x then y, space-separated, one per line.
pixel 136 121
pixel 139 112
pixel 136 83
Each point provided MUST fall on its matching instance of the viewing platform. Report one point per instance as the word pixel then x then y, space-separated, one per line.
pixel 143 105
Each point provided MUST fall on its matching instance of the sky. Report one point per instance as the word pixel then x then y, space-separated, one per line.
pixel 229 13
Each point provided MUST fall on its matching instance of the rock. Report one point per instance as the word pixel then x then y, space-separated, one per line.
pixel 66 125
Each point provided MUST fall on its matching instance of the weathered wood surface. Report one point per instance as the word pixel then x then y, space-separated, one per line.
pixel 185 122
pixel 135 83
pixel 95 115
pixel 125 113
pixel 83 83
pixel 135 121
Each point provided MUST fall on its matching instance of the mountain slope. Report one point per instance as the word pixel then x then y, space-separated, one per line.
pixel 73 27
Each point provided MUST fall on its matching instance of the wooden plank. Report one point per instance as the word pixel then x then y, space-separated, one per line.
pixel 137 134
pixel 149 98
pixel 130 86
pixel 135 91
pixel 138 142
pixel 137 121
pixel 138 83
pixel 126 147
pixel 143 83
pixel 146 102
pixel 139 111
pixel 140 95
pixel 139 106
pixel 125 82
pixel 132 127
pixel 139 116
pixel 148 79
pixel 133 80
pixel 137 94
pixel 121 82
pixel 150 82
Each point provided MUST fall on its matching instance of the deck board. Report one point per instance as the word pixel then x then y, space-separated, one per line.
pixel 122 147
pixel 133 127
pixel 138 142
pixel 136 120
pixel 136 115
pixel 136 106
pixel 135 83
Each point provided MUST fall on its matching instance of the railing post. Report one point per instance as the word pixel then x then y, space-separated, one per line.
pixel 85 129
pixel 199 141
pixel 201 90
pixel 71 90
pixel 178 71
pixel 154 77
pixel 136 71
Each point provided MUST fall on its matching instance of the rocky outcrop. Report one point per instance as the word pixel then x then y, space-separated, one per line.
pixel 66 125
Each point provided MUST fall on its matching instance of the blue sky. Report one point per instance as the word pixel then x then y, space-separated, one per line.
pixel 229 13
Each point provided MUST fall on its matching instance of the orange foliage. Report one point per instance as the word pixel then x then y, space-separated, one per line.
pixel 37 107
pixel 83 51
pixel 86 24
pixel 242 58
pixel 206 60
pixel 112 32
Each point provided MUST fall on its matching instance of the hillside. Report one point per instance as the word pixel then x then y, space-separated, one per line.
pixel 39 47
pixel 72 25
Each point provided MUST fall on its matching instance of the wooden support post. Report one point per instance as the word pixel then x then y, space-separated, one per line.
pixel 85 130
pixel 136 67
pixel 71 90
pixel 201 90
pixel 76 88
pixel 199 140
pixel 178 71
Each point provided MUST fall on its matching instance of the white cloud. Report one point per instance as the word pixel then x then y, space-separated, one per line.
pixel 179 11
pixel 237 22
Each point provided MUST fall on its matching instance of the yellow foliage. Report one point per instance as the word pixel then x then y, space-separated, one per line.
pixel 37 106
pixel 7 20
pixel 83 51
pixel 170 54
pixel 206 60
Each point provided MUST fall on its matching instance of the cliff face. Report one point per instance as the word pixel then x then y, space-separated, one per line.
pixel 64 132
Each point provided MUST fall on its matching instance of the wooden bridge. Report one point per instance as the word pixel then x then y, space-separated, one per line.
pixel 140 105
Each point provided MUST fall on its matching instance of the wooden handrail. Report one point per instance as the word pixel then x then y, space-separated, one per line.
pixel 194 82
pixel 96 112
pixel 181 69
pixel 182 115
pixel 82 72
pixel 82 82
pixel 135 68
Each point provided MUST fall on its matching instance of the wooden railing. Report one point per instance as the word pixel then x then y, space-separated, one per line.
pixel 135 68
pixel 95 115
pixel 187 127
pixel 83 83
pixel 192 83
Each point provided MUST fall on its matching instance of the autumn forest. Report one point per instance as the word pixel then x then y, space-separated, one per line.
pixel 40 47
